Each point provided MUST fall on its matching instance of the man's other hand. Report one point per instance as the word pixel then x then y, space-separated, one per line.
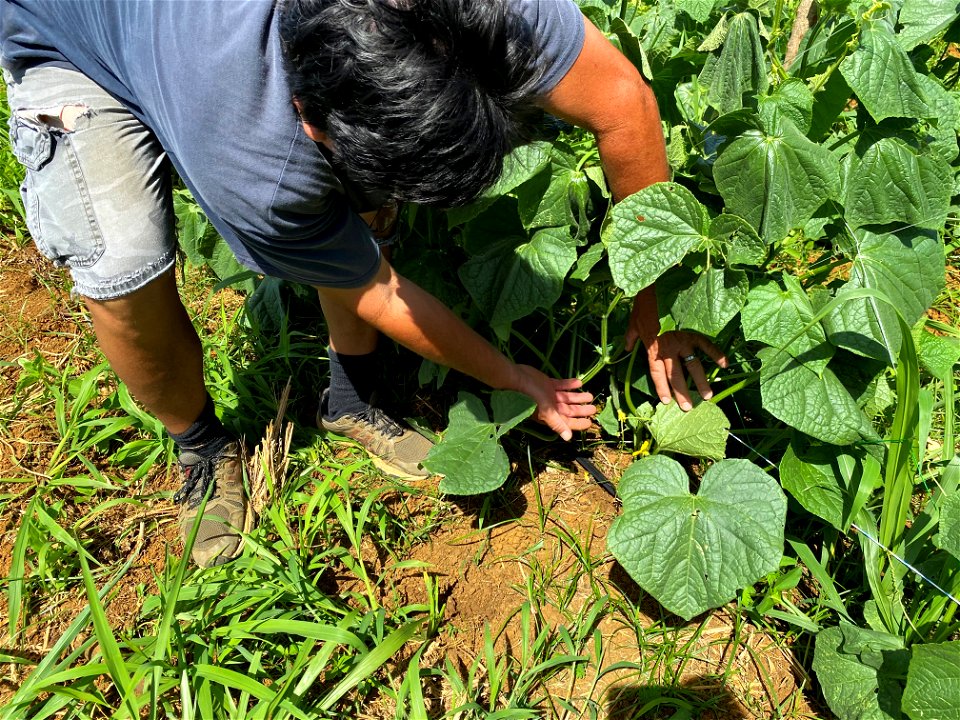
pixel 559 405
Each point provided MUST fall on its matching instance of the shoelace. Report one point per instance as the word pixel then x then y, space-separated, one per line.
pixel 196 480
pixel 381 421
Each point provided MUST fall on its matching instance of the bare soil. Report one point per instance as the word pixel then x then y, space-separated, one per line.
pixel 736 670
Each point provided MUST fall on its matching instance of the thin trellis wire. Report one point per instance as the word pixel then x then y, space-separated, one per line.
pixel 867 535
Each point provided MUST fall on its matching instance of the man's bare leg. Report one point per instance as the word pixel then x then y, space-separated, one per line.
pixel 345 408
pixel 152 346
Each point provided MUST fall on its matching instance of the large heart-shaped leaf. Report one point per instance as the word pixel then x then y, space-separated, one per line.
pixel 650 231
pixel 922 20
pixel 739 70
pixel 776 178
pixel 701 432
pixel 881 74
pixel 511 279
pixel 933 682
pixel 887 181
pixel 693 552
pixel 860 672
pixel 818 405
pixel 469 456
pixel 773 315
pixel 907 267
pixel 712 301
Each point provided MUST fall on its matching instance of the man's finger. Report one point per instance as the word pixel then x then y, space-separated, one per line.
pixel 556 422
pixel 679 384
pixel 568 384
pixel 579 411
pixel 658 373
pixel 695 370
pixel 579 424
pixel 715 353
pixel 570 398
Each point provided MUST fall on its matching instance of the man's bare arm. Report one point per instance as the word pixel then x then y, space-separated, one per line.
pixel 405 312
pixel 604 93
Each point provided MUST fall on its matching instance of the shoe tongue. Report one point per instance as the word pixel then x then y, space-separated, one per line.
pixel 188 457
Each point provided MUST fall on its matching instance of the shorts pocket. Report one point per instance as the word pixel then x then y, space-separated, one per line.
pixel 56 199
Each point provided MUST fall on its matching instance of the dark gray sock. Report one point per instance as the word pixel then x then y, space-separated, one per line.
pixel 353 379
pixel 206 437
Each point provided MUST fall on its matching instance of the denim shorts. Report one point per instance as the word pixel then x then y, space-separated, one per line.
pixel 97 192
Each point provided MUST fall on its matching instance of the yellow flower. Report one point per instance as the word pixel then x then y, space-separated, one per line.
pixel 644 449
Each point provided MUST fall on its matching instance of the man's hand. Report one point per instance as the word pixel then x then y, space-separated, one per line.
pixel 558 406
pixel 671 353
pixel 404 311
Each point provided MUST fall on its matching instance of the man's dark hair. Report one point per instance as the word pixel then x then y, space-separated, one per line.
pixel 421 99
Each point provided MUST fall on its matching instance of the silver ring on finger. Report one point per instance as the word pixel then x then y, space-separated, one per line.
pixel 688 359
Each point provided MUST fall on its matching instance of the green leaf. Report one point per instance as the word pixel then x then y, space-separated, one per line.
pixel 547 200
pixel 693 552
pixel 739 70
pixel 776 179
pixel 941 139
pixel 738 241
pixel 860 672
pixel 701 432
pixel 773 315
pixel 907 267
pixel 699 10
pixel 792 99
pixel 887 181
pixel 655 25
pixel 650 231
pixel 587 261
pixel 519 166
pixel 510 408
pixel 714 40
pixel 923 20
pixel 938 354
pixel 469 455
pixel 607 418
pixel 191 226
pixel 631 47
pixel 880 73
pixel 933 682
pixel 813 483
pixel 712 301
pixel 511 280
pixel 818 405
pixel 950 525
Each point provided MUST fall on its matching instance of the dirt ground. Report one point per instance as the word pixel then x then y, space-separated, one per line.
pixel 482 572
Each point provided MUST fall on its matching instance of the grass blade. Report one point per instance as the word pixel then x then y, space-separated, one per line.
pixel 108 643
pixel 18 573
pixel 371 662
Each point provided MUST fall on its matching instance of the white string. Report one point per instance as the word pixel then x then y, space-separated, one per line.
pixel 867 535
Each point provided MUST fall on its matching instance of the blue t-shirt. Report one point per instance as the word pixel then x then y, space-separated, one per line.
pixel 207 77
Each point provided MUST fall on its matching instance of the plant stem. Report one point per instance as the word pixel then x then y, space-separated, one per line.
pixel 629 380
pixel 728 391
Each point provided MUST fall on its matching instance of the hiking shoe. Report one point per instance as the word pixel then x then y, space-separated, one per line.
pixel 395 449
pixel 218 537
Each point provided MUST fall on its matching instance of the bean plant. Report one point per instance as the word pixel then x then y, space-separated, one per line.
pixel 815 175
pixel 804 232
